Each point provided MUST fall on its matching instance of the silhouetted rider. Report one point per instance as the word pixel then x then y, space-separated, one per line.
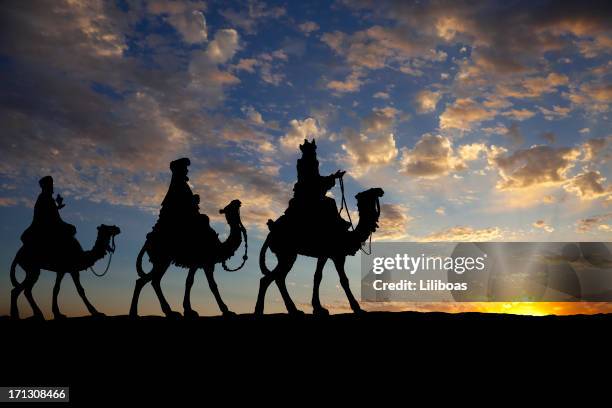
pixel 47 224
pixel 179 201
pixel 309 200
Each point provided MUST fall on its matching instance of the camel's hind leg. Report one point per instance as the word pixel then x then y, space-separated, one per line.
pixel 32 276
pixel 209 271
pixel 76 277
pixel 317 309
pixel 187 309
pixel 56 289
pixel 339 263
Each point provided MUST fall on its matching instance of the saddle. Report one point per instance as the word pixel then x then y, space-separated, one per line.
pixel 184 241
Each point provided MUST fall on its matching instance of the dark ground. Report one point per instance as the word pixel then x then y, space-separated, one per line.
pixel 109 359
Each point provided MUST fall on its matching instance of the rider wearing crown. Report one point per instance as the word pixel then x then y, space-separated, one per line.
pixel 310 202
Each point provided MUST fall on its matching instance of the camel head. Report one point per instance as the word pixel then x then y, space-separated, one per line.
pixel 232 212
pixel 106 233
pixel 368 205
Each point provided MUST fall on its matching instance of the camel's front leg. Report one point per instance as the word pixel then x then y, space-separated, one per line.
pixel 339 263
pixel 76 277
pixel 317 309
pixel 56 288
pixel 189 312
pixel 209 270
pixel 156 275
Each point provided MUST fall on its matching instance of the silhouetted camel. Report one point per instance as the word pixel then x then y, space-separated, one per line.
pixel 287 243
pixel 213 251
pixel 73 260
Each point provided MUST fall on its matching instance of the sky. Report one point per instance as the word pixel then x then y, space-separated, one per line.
pixel 482 121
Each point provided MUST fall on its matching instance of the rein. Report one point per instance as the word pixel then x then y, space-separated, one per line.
pixel 244 257
pixel 344 205
pixel 111 250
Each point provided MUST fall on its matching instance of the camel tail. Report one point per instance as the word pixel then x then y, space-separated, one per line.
pixel 139 270
pixel 262 256
pixel 14 280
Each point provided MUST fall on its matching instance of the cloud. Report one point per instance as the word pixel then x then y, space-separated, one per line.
pixel 533 87
pixel 101 121
pixel 503 41
pixel 600 222
pixel 378 47
pixel 249 17
pixel 223 47
pixel 464 234
pixel 588 185
pixel 381 95
pixel 298 131
pixel 393 222
pixel 514 134
pixel 308 27
pixel 537 165
pixel 557 112
pixel 352 83
pixel 427 100
pixel 186 17
pixel 253 115
pixel 519 114
pixel 541 224
pixel 591 96
pixel 374 144
pixel 379 120
pixel 267 64
pixel 463 114
pixel 433 156
pixel 366 151
pixel 263 197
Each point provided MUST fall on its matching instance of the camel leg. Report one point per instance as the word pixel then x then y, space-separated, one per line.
pixel 339 263
pixel 31 278
pixel 56 288
pixel 76 277
pixel 287 264
pixel 209 271
pixel 140 283
pixel 157 273
pixel 188 311
pixel 264 283
pixel 317 309
pixel 15 292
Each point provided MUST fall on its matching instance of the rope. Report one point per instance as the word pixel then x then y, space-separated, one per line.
pixel 111 250
pixel 344 205
pixel 244 257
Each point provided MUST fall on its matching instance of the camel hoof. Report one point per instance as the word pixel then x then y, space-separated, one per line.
pixel 37 318
pixel 98 315
pixel 359 311
pixel 320 311
pixel 59 316
pixel 191 314
pixel 229 313
pixel 173 315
